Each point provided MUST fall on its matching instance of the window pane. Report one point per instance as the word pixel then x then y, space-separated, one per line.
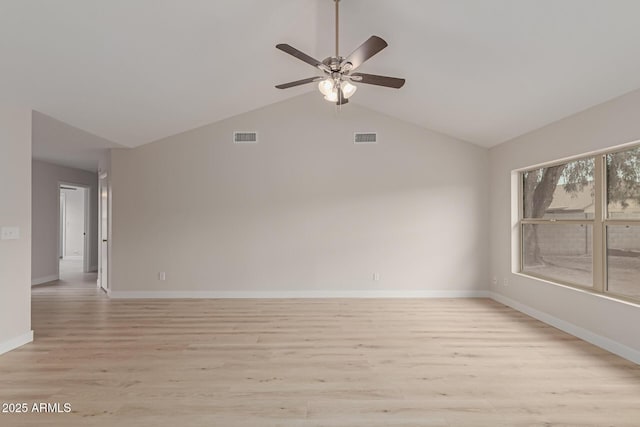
pixel 558 251
pixel 564 191
pixel 623 260
pixel 623 184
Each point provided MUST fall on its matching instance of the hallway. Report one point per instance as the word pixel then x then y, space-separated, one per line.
pixel 71 272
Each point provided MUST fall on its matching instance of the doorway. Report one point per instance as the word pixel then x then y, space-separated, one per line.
pixel 73 248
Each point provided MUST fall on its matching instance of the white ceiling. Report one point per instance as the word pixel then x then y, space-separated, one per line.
pixel 56 142
pixel 134 71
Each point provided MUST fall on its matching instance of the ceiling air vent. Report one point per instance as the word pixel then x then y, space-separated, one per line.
pixel 245 137
pixel 365 138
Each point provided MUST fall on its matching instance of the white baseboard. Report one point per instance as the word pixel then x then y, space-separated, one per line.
pixel 577 331
pixel 16 342
pixel 93 269
pixel 45 279
pixel 296 294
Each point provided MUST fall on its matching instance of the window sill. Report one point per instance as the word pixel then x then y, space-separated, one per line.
pixel 620 299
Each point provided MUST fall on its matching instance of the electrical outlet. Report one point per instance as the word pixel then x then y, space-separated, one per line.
pixel 376 276
pixel 162 276
pixel 505 282
pixel 494 281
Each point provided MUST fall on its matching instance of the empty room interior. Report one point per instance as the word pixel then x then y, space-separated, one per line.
pixel 320 213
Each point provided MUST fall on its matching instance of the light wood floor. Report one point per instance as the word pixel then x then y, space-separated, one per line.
pixel 350 363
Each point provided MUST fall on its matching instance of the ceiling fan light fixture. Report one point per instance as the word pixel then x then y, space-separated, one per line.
pixel 332 96
pixel 348 89
pixel 337 77
pixel 326 86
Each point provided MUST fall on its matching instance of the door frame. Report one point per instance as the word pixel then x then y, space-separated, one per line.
pixel 62 211
pixel 86 258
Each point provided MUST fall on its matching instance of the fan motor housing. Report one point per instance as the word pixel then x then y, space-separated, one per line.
pixel 333 62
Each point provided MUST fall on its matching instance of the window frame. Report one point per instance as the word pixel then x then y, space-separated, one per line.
pixel 599 223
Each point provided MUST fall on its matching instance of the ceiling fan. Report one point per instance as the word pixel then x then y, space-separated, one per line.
pixel 338 72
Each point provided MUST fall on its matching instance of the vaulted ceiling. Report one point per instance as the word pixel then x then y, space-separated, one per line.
pixel 133 71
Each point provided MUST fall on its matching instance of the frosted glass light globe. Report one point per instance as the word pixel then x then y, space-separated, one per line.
pixel 348 89
pixel 332 96
pixel 326 86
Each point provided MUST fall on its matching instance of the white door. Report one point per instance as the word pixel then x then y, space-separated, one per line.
pixel 103 270
pixel 63 221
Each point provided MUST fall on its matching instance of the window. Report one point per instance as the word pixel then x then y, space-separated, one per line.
pixel 580 223
pixel 622 223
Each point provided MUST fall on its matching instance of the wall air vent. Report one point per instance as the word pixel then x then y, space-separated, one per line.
pixel 365 138
pixel 245 137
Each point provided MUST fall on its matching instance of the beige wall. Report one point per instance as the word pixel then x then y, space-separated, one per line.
pixel 15 210
pixel 45 251
pixel 305 211
pixel 603 321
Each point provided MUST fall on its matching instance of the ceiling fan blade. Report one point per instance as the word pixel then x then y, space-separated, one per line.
pixel 299 82
pixel 341 99
pixel 302 56
pixel 366 50
pixel 373 79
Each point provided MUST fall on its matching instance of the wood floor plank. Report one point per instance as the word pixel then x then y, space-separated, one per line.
pixel 305 363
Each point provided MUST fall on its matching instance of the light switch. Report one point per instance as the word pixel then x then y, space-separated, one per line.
pixel 10 233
